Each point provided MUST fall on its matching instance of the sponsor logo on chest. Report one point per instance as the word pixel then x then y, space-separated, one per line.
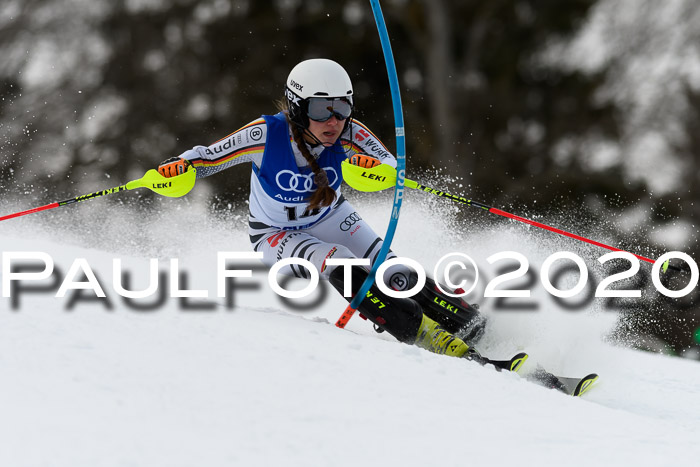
pixel 290 198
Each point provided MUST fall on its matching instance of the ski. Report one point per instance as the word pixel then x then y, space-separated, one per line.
pixel 579 385
pixel 513 364
pixel 571 386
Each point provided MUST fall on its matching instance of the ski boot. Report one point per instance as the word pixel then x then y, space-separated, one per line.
pixel 403 318
pixel 454 314
pixel 431 336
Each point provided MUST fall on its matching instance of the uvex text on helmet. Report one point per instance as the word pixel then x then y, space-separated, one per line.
pixel 318 77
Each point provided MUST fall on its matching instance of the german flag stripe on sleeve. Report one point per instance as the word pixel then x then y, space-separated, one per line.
pixel 350 146
pixel 228 157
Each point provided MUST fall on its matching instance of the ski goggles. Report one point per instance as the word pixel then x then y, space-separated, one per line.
pixel 320 109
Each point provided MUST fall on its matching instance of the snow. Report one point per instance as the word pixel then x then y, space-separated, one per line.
pixel 86 384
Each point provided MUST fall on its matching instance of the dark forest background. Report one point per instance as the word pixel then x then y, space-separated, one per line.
pixel 537 106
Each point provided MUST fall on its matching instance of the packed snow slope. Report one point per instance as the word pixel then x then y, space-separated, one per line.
pixel 252 379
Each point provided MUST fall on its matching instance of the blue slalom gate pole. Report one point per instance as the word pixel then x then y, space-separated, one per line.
pixel 400 164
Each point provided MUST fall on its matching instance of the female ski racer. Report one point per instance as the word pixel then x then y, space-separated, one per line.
pixel 297 210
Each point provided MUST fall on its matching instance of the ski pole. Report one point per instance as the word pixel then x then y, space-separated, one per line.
pixel 382 176
pixel 172 187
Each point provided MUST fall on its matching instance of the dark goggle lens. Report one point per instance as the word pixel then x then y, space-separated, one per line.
pixel 321 109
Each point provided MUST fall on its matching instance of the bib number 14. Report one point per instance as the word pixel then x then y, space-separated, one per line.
pixel 292 212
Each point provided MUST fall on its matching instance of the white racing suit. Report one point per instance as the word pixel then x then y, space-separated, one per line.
pixel 280 225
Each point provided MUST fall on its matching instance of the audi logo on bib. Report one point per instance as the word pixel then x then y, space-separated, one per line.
pixel 298 183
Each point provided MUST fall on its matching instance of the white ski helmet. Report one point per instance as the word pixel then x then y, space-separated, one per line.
pixel 318 77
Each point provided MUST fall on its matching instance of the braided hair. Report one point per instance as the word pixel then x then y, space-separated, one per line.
pixel 324 195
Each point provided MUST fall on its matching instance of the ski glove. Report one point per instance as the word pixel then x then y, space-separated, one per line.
pixel 363 160
pixel 173 167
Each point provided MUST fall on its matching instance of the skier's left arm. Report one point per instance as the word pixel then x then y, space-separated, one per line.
pixel 362 145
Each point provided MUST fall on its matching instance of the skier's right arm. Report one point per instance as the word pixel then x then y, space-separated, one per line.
pixel 246 144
